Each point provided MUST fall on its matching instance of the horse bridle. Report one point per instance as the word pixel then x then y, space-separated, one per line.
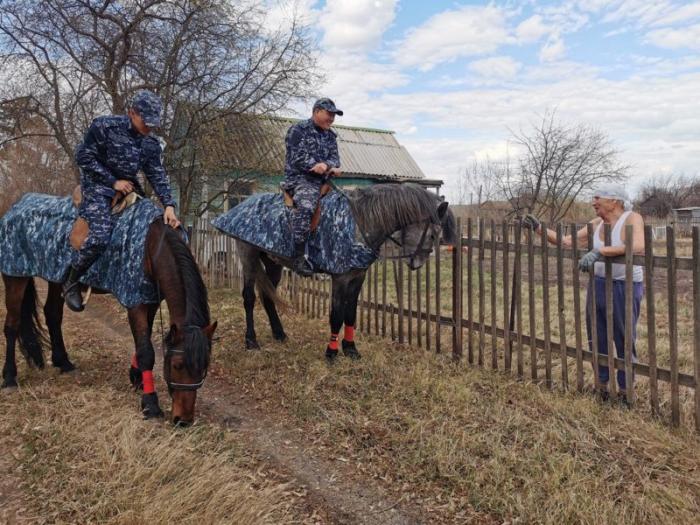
pixel 168 354
pixel 420 250
pixel 172 385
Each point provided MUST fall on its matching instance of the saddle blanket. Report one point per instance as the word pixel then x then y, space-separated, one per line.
pixel 264 221
pixel 34 241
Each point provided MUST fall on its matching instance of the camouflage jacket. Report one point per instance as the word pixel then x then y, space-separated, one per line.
pixel 308 145
pixel 112 150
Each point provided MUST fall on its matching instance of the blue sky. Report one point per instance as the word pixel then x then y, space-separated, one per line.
pixel 451 78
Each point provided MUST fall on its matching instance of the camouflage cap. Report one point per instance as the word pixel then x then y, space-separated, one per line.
pixel 328 105
pixel 149 106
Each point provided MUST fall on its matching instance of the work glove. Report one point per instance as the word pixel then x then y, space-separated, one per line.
pixel 586 262
pixel 530 221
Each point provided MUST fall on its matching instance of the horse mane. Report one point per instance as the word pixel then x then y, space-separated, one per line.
pixel 395 206
pixel 196 344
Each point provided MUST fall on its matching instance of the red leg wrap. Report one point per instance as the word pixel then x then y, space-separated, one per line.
pixel 349 334
pixel 148 386
pixel 333 345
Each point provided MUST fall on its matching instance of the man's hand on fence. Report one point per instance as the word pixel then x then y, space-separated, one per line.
pixel 530 221
pixel 585 264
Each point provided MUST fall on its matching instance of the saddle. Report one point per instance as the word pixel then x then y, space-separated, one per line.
pixel 81 228
pixel 316 218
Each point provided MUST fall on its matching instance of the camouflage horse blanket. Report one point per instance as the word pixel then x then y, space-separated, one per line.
pixel 264 221
pixel 34 241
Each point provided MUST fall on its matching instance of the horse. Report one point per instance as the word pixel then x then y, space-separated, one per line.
pixel 168 262
pixel 406 214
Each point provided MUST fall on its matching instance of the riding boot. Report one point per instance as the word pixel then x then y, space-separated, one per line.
pixel 71 290
pixel 301 263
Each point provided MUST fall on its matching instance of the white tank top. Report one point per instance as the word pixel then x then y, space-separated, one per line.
pixel 618 270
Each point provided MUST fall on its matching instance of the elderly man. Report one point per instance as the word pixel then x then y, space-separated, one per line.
pixel 612 206
pixel 112 152
pixel 312 154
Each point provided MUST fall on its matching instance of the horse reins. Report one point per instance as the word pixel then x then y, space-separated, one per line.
pixel 167 354
pixel 420 250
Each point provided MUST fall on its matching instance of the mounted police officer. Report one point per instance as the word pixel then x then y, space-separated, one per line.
pixel 111 154
pixel 312 154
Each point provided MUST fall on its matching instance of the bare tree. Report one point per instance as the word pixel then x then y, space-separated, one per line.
pixel 557 165
pixel 67 61
pixel 661 194
pixel 477 183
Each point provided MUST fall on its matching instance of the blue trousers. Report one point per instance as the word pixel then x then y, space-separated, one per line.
pixel 618 306
pixel 96 210
pixel 306 194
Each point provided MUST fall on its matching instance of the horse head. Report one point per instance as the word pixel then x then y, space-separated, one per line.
pixel 417 240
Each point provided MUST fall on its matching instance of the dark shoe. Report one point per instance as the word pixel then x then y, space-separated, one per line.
pixel 302 266
pixel 71 291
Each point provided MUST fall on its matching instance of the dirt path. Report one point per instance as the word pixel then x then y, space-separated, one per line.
pixel 334 491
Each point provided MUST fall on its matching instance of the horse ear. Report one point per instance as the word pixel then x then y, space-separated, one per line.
pixel 442 209
pixel 209 330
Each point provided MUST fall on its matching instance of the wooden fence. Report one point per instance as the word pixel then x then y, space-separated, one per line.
pixel 512 302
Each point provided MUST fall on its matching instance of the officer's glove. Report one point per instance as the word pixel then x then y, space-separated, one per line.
pixel 530 221
pixel 585 263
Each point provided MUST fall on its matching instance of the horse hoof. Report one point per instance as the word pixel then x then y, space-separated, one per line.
pixel 331 355
pixel 281 337
pixel 150 407
pixel 66 367
pixel 9 384
pixel 350 350
pixel 251 344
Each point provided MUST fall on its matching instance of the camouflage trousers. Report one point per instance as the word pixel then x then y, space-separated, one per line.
pixel 306 194
pixel 96 210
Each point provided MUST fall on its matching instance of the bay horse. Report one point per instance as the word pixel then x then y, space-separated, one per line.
pixel 406 214
pixel 169 263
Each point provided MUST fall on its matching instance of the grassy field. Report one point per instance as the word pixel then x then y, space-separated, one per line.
pixel 458 439
pixel 661 323
pixel 75 450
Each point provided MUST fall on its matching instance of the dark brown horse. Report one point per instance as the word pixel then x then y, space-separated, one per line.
pixel 406 214
pixel 169 263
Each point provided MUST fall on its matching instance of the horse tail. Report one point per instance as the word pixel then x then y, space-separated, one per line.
pixel 266 288
pixel 32 336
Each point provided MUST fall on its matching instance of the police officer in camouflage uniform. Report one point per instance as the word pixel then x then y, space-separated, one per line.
pixel 312 153
pixel 111 154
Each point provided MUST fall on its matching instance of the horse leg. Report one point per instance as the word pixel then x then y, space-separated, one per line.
pixel 274 273
pixel 338 291
pixel 350 316
pixel 251 340
pixel 53 311
pixel 135 375
pixel 14 292
pixel 145 358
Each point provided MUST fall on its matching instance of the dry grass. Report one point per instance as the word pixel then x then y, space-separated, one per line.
pixel 455 439
pixel 82 454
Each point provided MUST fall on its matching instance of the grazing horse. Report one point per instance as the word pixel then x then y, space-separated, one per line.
pixel 169 264
pixel 407 214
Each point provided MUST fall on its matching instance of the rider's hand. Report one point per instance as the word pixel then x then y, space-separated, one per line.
pixel 123 186
pixel 335 172
pixel 320 168
pixel 170 218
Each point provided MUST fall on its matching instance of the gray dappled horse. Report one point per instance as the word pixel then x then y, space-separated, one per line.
pixel 407 214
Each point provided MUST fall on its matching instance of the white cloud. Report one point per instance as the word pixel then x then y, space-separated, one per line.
pixel 280 13
pixel 686 37
pixel 553 50
pixel 468 31
pixel 356 24
pixel 531 30
pixel 502 68
pixel 683 14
